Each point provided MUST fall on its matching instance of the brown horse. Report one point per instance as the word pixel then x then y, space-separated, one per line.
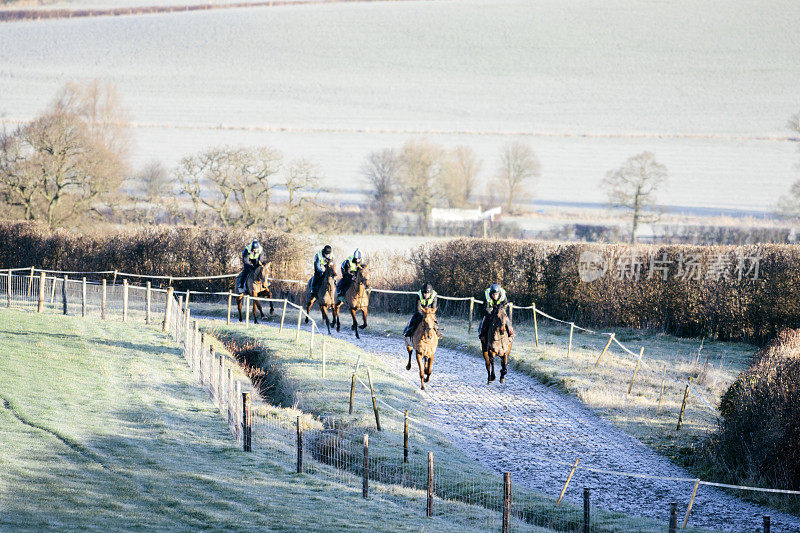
pixel 256 285
pixel 357 298
pixel 326 296
pixel 498 343
pixel 425 341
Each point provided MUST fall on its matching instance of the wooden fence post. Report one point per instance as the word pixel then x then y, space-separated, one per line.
pixel 691 502
pixel 30 282
pixel 8 287
pixel 221 382
pixel 230 301
pixel 178 317
pixel 247 310
pixel 283 316
pixel 673 518
pixel 147 303
pixel 506 502
pixel 535 325
pixel 186 302
pixel 83 298
pixel 103 301
pixel 229 399
pixel 352 392
pixel 299 446
pixel 365 477
pixel 605 349
pixel 661 395
pixel 195 344
pixel 429 511
pixel 635 370
pixel 125 300
pixel 569 347
pixel 238 408
pixel 247 423
pixel 587 513
pixel 64 292
pixel 297 333
pixel 202 357
pixel 311 342
pixel 374 401
pixel 324 354
pixel 40 307
pixel 52 289
pixel 405 436
pixel 766 524
pixel 187 330
pixel 511 311
pixel 167 309
pixel 471 311
pixel 114 283
pixel 683 405
pixel 569 478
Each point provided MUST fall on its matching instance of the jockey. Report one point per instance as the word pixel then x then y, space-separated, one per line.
pixel 495 297
pixel 252 258
pixel 350 267
pixel 427 299
pixel 321 261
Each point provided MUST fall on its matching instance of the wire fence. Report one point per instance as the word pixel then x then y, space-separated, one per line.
pixel 315 446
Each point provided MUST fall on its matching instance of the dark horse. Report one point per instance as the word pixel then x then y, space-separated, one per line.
pixel 357 298
pixel 256 286
pixel 497 343
pixel 326 296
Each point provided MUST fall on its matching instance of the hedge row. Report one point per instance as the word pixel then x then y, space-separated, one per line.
pixel 729 292
pixel 158 250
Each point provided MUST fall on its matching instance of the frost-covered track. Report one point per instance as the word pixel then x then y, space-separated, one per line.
pixel 535 432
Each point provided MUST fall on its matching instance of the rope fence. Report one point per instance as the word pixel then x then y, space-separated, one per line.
pixel 316 446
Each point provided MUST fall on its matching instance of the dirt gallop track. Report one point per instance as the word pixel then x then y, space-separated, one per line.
pixel 535 432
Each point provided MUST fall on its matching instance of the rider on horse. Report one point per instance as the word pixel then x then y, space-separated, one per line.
pixel 350 268
pixel 495 297
pixel 321 261
pixel 427 299
pixel 252 257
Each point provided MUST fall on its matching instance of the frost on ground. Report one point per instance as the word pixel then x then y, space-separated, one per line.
pixel 535 433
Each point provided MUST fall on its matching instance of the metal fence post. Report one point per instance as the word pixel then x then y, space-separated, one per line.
pixel 405 436
pixel 374 400
pixel 83 298
pixel 535 325
pixel 299 446
pixel 587 514
pixel 471 311
pixel 230 301
pixel 766 524
pixel 103 301
pixel 64 293
pixel 365 477
pixel 8 287
pixel 429 510
pixel 125 300
pixel 147 304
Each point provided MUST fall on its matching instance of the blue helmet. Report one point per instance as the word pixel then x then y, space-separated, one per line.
pixel 494 288
pixel 357 256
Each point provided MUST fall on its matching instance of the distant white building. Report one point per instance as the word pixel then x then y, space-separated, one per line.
pixel 464 215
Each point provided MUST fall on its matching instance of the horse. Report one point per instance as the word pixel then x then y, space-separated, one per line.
pixel 256 285
pixel 497 343
pixel 326 296
pixel 357 298
pixel 425 340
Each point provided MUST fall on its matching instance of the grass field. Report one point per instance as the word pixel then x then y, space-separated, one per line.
pixel 300 385
pixel 605 389
pixel 105 429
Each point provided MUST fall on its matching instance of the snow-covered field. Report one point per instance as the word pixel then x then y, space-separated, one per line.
pixel 707 86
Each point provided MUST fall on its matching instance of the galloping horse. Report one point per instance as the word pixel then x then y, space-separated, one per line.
pixel 326 296
pixel 357 299
pixel 497 343
pixel 255 286
pixel 425 341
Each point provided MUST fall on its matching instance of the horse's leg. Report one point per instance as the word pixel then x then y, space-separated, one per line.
pixel 429 368
pixel 337 307
pixel 260 309
pixel 364 314
pixel 491 362
pixel 308 307
pixel 271 307
pixel 488 366
pixel 421 371
pixel 503 367
pixel 322 309
pixel 355 322
pixel 256 305
pixel 239 307
pixel 410 351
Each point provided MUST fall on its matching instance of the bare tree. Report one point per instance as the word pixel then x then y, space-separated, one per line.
pixel 234 185
pixel 518 166
pixel 460 176
pixel 421 167
pixel 52 170
pixel 789 203
pixel 301 179
pixel 633 186
pixel 154 181
pixel 382 170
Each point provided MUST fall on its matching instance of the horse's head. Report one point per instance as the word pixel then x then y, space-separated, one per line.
pixel 362 276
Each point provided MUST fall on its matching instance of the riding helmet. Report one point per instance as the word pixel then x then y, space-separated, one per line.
pixel 357 256
pixel 494 288
pixel 427 288
pixel 326 250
